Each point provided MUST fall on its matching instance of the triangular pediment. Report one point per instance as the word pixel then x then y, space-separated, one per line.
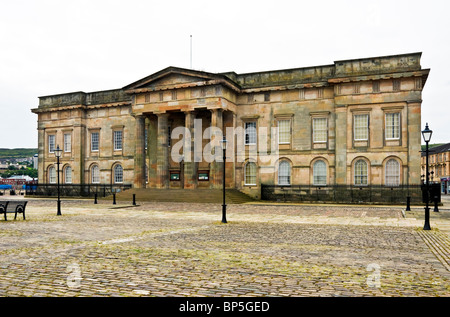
pixel 172 77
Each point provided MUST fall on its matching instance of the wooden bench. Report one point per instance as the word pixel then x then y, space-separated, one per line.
pixel 13 206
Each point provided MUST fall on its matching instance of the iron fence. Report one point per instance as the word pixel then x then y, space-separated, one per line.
pixel 343 194
pixel 74 190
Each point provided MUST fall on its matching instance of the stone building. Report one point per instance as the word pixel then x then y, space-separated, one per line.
pixel 439 166
pixel 354 122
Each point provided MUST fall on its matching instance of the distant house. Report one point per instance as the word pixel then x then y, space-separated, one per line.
pixel 439 166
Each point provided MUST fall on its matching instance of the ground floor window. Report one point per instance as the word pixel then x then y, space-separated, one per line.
pixel 250 173
pixel 392 173
pixel 118 174
pixel 361 173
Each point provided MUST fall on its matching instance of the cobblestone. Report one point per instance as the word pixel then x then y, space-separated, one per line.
pixel 169 249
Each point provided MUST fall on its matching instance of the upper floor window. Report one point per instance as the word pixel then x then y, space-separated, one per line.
pixel 117 140
pixel 67 142
pixel 95 140
pixel 250 132
pixel 51 143
pixel 284 131
pixel 392 127
pixel 319 130
pixel 361 127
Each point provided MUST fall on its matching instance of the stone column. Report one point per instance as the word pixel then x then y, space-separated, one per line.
pixel 152 150
pixel 162 165
pixel 190 166
pixel 414 143
pixel 139 154
pixel 341 146
pixel 216 165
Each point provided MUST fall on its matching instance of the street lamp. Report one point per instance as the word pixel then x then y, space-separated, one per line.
pixel 427 137
pixel 224 206
pixel 58 153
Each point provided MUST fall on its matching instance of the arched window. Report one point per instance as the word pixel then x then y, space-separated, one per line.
pixel 68 175
pixel 319 173
pixel 118 174
pixel 361 173
pixel 52 175
pixel 95 174
pixel 392 173
pixel 284 173
pixel 250 173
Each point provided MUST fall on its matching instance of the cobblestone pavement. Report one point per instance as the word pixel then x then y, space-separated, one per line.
pixel 174 249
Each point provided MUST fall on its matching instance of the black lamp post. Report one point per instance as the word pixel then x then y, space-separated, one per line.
pixel 224 206
pixel 58 153
pixel 427 137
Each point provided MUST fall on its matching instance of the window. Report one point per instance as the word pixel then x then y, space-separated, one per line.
pixel 250 173
pixel 68 175
pixel 250 133
pixel 118 174
pixel 392 128
pixel 51 143
pixel 376 86
pixel 174 95
pixel 396 84
pixel 95 174
pixel 284 131
pixel 319 130
pixel 52 175
pixel 95 141
pixel 267 96
pixel 361 173
pixel 392 173
pixel 284 173
pixel 361 127
pixel 67 142
pixel 319 173
pixel 118 140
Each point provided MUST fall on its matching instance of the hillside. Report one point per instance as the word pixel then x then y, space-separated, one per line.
pixel 17 153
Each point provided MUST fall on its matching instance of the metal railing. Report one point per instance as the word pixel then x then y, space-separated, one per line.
pixel 343 194
pixel 75 190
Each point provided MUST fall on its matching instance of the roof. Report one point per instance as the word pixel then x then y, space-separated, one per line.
pixel 438 149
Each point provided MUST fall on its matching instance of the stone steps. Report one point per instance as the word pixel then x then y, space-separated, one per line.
pixel 232 196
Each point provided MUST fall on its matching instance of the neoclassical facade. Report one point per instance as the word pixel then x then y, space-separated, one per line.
pixel 354 122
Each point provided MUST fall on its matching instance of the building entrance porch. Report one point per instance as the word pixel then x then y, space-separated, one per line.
pixel 181 149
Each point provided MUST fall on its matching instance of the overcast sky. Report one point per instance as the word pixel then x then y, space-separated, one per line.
pixel 53 46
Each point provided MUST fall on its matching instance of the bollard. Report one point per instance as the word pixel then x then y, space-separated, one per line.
pixel 95 198
pixel 408 203
pixel 134 199
pixel 114 199
pixel 436 209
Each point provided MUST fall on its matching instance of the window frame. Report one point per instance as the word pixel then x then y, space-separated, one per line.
pixel 116 175
pixel 66 169
pixel 67 143
pixel 95 174
pixel 366 127
pixel 397 176
pixel 250 135
pixel 288 175
pixel 360 176
pixel 289 132
pixel 398 115
pixel 97 141
pixel 117 139
pixel 314 130
pixel 51 145
pixel 325 177
pixel 246 176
